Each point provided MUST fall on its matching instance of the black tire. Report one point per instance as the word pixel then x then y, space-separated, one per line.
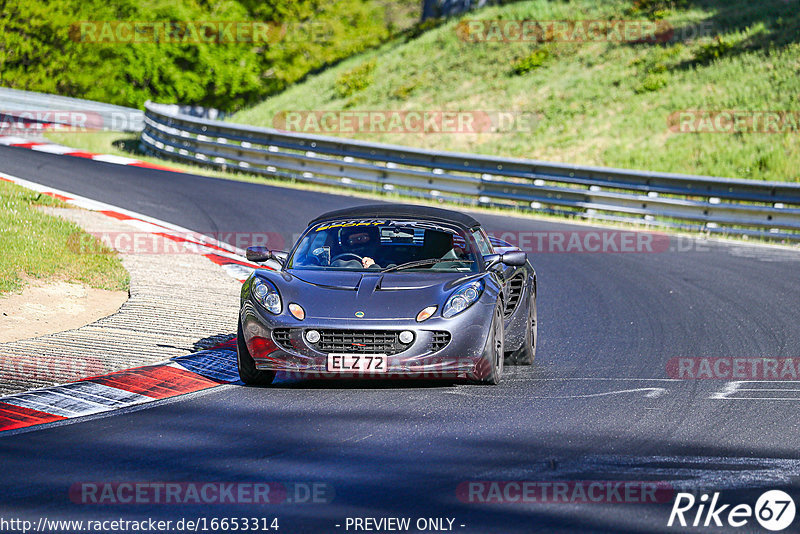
pixel 527 352
pixel 247 367
pixel 493 352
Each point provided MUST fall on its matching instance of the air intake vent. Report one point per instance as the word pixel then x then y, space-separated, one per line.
pixel 439 340
pixel 360 342
pixel 514 293
pixel 281 337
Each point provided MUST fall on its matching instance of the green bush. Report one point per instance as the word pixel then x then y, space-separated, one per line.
pixel 713 51
pixel 404 91
pixel 656 67
pixel 530 62
pixel 652 82
pixel 355 80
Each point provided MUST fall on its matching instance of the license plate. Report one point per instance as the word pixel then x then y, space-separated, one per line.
pixel 357 363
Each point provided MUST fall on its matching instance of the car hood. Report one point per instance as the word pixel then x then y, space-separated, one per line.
pixel 385 281
pixel 340 295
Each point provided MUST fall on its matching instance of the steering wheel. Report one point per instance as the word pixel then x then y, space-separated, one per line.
pixel 343 254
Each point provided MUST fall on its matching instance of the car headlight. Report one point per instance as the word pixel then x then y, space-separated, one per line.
pixel 267 295
pixel 461 299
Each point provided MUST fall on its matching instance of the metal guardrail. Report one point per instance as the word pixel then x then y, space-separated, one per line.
pixel 114 118
pixel 714 205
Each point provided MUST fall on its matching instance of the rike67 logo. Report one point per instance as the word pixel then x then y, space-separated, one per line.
pixel 774 510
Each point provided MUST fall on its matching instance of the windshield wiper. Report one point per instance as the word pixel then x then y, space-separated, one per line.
pixel 420 263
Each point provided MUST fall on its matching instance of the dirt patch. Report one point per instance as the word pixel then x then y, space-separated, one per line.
pixel 45 308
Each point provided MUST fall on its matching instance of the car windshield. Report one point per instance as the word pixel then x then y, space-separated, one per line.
pixel 377 245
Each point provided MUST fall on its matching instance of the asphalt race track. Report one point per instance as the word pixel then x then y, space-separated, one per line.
pixel 598 404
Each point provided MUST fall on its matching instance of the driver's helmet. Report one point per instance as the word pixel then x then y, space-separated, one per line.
pixel 361 240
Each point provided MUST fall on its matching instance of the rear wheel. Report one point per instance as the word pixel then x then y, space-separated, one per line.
pixel 527 352
pixel 247 367
pixel 493 353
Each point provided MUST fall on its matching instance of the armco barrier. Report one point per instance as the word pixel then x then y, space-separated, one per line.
pixel 14 102
pixel 715 205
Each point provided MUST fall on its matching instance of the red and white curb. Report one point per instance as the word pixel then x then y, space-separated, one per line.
pixel 52 148
pixel 186 374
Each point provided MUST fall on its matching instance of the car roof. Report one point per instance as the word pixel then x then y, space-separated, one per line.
pixel 377 211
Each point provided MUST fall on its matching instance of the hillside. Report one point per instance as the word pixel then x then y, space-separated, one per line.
pixel 603 102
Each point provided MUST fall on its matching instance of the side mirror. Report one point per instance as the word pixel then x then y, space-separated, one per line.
pixel 262 254
pixel 515 258
pixel 258 254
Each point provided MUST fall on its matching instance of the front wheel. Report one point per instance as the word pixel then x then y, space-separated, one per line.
pixel 527 352
pixel 247 367
pixel 494 356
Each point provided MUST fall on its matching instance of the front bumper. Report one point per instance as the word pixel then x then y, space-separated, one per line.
pixel 462 357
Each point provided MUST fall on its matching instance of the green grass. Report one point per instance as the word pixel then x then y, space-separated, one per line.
pixel 120 144
pixel 37 245
pixel 599 103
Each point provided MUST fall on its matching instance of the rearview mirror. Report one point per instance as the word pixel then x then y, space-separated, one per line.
pixel 262 254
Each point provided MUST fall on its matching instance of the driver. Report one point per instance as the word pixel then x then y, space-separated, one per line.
pixel 361 241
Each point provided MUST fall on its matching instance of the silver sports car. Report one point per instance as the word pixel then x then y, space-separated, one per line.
pixel 392 291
